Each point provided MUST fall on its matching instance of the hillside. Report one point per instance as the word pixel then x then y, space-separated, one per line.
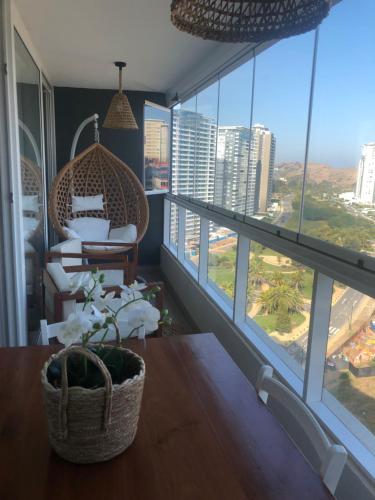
pixel 342 178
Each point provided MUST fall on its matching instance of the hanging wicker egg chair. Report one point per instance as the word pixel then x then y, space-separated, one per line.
pixel 31 180
pixel 97 171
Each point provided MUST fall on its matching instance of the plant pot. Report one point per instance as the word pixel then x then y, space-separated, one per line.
pixel 92 425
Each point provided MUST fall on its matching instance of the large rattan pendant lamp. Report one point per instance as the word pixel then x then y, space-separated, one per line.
pixel 120 114
pixel 247 20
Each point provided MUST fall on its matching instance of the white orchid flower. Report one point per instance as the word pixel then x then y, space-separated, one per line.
pixel 95 289
pixel 78 281
pixel 97 316
pixel 77 324
pixel 140 315
pixel 106 301
pixel 134 287
pixel 128 295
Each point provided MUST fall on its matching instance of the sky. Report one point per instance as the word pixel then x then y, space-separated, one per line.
pixel 343 116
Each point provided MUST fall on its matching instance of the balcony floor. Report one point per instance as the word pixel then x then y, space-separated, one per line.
pixel 182 323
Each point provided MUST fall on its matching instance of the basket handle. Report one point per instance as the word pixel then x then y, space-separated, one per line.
pixel 63 406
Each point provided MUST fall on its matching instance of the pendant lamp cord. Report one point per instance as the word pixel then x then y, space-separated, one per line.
pixel 120 81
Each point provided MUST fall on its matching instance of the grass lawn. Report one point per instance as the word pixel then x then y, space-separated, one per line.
pixel 268 321
pixel 221 275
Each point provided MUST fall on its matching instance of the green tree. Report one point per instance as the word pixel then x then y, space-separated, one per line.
pixel 277 279
pixel 281 298
pixel 283 322
pixel 256 271
pixel 298 279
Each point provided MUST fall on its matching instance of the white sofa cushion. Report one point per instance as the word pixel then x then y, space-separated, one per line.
pixel 29 226
pixel 84 203
pixel 68 246
pixel 70 234
pixel 90 228
pixel 128 233
pixel 30 203
pixel 59 276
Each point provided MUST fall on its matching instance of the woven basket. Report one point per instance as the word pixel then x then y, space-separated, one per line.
pixel 92 425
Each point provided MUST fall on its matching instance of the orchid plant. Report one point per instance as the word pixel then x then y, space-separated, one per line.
pixel 103 315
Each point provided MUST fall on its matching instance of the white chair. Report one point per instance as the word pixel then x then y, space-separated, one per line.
pixel 48 331
pixel 332 457
pixel 65 262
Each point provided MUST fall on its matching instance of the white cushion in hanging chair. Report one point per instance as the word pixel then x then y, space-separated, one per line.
pixel 90 228
pixel 128 233
pixel 85 203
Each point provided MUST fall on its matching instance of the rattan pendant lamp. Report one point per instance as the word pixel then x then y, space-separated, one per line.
pixel 120 114
pixel 247 20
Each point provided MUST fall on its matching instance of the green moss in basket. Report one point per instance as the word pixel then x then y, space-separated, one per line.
pixel 82 372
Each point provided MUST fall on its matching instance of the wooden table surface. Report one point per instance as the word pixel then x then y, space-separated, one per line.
pixel 203 434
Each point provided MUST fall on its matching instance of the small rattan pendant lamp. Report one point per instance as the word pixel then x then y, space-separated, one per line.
pixel 247 20
pixel 120 114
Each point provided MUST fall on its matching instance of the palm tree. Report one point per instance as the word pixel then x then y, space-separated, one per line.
pixel 256 271
pixel 282 297
pixel 298 279
pixel 277 279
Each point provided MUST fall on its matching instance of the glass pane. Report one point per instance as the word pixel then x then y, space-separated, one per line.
pixel 205 151
pixel 222 253
pixel 183 153
pixel 156 147
pixel 350 367
pixel 173 234
pixel 192 238
pixel 278 139
pixel 340 191
pixel 279 299
pixel 232 157
pixel 32 178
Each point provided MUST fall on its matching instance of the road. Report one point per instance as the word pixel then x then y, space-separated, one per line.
pixel 341 313
pixel 286 210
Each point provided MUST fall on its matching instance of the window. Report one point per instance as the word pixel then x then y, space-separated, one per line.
pixel 278 132
pixel 173 228
pixel 222 261
pixel 206 135
pixel 233 140
pixel 32 175
pixel 339 202
pixel 183 147
pixel 156 147
pixel 279 299
pixel 192 237
pixel 298 118
pixel 350 358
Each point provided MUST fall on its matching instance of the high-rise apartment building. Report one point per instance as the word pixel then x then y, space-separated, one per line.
pixel 156 153
pixel 243 181
pixel 193 161
pixel 261 169
pixel 365 188
pixel 232 163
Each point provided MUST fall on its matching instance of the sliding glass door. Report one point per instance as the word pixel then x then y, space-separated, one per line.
pixel 32 174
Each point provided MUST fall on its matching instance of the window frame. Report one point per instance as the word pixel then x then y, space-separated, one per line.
pixel 339 422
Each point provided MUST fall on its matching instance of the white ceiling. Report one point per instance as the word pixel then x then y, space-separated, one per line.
pixel 77 42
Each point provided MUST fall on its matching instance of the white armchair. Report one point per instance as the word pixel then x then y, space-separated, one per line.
pixel 64 263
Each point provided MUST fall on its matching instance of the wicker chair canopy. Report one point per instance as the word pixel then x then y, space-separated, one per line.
pixel 247 20
pixel 97 171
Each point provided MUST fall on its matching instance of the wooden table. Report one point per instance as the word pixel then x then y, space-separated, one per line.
pixel 203 435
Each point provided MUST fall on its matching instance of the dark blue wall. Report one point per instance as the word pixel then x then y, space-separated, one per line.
pixel 72 106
